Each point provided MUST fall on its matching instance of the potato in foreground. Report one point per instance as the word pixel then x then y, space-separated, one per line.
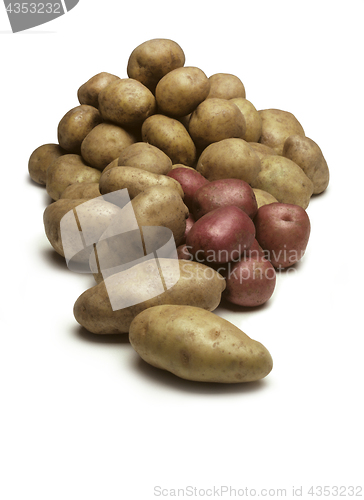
pixel 198 345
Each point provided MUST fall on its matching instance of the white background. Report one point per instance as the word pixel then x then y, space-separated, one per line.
pixel 81 416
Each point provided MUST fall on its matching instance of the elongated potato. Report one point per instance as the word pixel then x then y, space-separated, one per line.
pixel 198 345
pixel 141 286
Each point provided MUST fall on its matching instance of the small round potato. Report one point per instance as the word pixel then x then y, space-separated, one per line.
pixel 308 155
pixel 263 197
pixel 126 102
pixel 225 86
pixel 180 91
pixel 277 125
pixel 104 143
pixel 145 156
pixel 230 158
pixel 85 190
pixel 214 120
pixel 75 125
pixel 198 345
pixel 169 135
pixel 135 180
pixel 252 119
pixel 153 59
pixel 88 93
pixel 41 159
pixel 66 170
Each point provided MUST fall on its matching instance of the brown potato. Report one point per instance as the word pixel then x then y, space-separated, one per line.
pixel 169 135
pixel 41 159
pixel 284 180
pixel 261 149
pixel 153 59
pixel 88 93
pixel 229 158
pixel 141 287
pixel 85 190
pixel 214 120
pixel 126 102
pixel 135 180
pixel 198 345
pixel 66 170
pixel 252 119
pixel 75 125
pixel 277 125
pixel 308 155
pixel 225 86
pixel 104 143
pixel 263 197
pixel 145 156
pixel 180 91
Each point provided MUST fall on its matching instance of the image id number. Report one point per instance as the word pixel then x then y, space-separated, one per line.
pixel 336 491
pixel 34 8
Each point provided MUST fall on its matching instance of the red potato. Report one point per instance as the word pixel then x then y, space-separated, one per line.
pixel 222 193
pixel 221 235
pixel 249 282
pixel 283 231
pixel 190 180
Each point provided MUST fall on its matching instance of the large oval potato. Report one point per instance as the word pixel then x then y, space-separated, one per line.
pixel 89 92
pixel 75 125
pixel 230 158
pixel 284 180
pixel 169 135
pixel 180 91
pixel 308 155
pixel 145 156
pixel 41 158
pixel 198 345
pixel 141 286
pixel 277 125
pixel 225 86
pixel 66 170
pixel 104 143
pixel 153 59
pixel 214 120
pixel 126 102
pixel 135 180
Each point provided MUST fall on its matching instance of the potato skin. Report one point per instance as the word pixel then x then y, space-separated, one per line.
pixel 225 86
pixel 263 197
pixel 252 119
pixel 198 345
pixel 41 158
pixel 190 180
pixel 85 190
pixel 88 93
pixel 197 284
pixel 262 149
pixel 153 59
pixel 180 91
pixel 277 125
pixel 145 156
pixel 229 158
pixel 75 125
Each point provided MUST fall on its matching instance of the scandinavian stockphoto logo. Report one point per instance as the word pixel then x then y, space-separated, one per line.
pixel 25 15
pixel 102 236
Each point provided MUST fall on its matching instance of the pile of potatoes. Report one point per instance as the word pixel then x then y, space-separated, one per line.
pixel 231 184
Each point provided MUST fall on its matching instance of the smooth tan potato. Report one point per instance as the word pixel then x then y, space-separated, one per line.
pixel 139 288
pixel 135 180
pixel 104 143
pixel 169 135
pixel 88 93
pixel 263 197
pixel 126 102
pixel 180 91
pixel 162 206
pixel 66 170
pixel 41 158
pixel 225 86
pixel 198 345
pixel 85 190
pixel 252 119
pixel 261 149
pixel 75 125
pixel 214 120
pixel 308 155
pixel 153 59
pixel 277 125
pixel 284 180
pixel 145 156
pixel 230 158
